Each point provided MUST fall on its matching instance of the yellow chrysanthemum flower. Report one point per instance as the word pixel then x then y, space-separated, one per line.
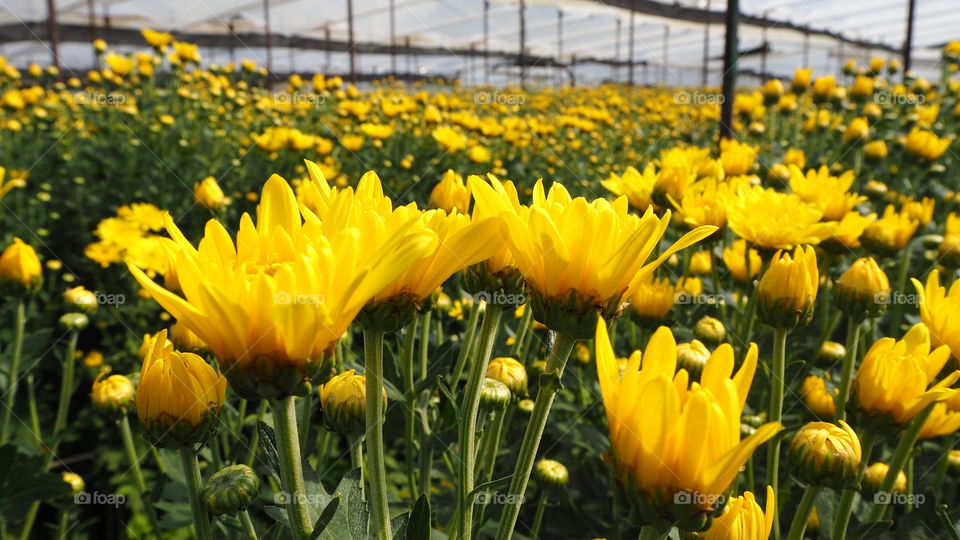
pixel 694 444
pixel 637 187
pixel 743 519
pixel 939 311
pixel 772 220
pixel 846 232
pixel 829 192
pixel 451 194
pixel 890 233
pixel 944 419
pixel 735 259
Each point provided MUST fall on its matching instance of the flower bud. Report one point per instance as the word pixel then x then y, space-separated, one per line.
pixel 710 330
pixel 231 489
pixel 813 522
pixel 343 402
pixel 779 172
pixel 949 251
pixel 179 397
pixel 863 289
pixel 875 474
pixel 953 460
pixel 525 406
pixel 80 298
pixel 551 473
pixel 74 321
pixel 113 394
pixel 75 480
pixel 208 194
pixel 692 357
pixel 509 372
pixel 494 395
pixel 788 289
pixel 831 352
pixel 20 269
pixel 824 454
pixel 817 398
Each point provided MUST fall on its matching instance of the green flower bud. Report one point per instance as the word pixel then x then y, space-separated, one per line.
pixel 525 406
pixel 231 490
pixel 509 372
pixel 827 455
pixel 710 330
pixel 494 395
pixel 551 473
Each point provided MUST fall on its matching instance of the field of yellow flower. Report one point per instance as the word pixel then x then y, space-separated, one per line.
pixel 310 310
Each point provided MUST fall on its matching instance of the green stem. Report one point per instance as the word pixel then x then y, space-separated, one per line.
pixel 191 471
pixel 900 457
pixel 66 385
pixel 424 344
pixel 356 457
pixel 131 451
pixel 849 362
pixel 467 347
pixel 248 528
pixel 376 471
pixel 531 437
pixel 717 291
pixel 410 400
pixel 799 524
pixel 842 519
pixel 469 410
pixel 538 516
pixel 291 467
pixel 306 412
pixel 62 526
pixel 909 471
pixel 255 436
pixel 774 414
pixel 489 456
pixel 14 373
pixel 897 308
pixel 523 327
pixel 28 523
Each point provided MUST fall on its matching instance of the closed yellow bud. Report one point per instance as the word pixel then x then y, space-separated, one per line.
pixel 875 474
pixel 826 455
pixel 208 194
pixel 343 402
pixel 79 297
pixel 743 519
pixel 75 480
pixel 875 150
pixel 831 352
pixel 788 289
pixel 451 194
pixel 863 289
pixel 20 267
pixel 817 398
pixel 692 357
pixel 114 393
pixel 510 372
pixel 179 398
pixel 710 330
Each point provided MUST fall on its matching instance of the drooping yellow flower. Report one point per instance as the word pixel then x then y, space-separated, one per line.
pixel 735 258
pixel 787 291
pixel 178 397
pixel 579 257
pixel 890 233
pixel 451 194
pixel 830 192
pixel 208 194
pixel 771 220
pixel 817 398
pixel 637 187
pixel 894 376
pixel 669 437
pixel 940 311
pixel 743 519
pixel 270 304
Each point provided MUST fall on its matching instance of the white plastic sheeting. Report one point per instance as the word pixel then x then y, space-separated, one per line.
pixel 673 49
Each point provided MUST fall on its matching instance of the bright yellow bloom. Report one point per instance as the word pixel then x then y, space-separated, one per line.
pixel 772 220
pixel 478 154
pixel 178 397
pixel 921 211
pixel 863 289
pixel 637 187
pixel 874 476
pixel 121 65
pixel 862 87
pixel 743 519
pixel 735 258
pixel 449 138
pixel 156 39
pixel 274 301
pixel 823 87
pixel 829 192
pixel 847 231
pixel 377 131
pixel 889 233
pixel 669 437
pixel 186 52
pixel 588 254
pixel 894 375
pixel 795 156
pixel 943 420
pixel 20 265
pixel 653 299
pixel 451 194
pixel 940 311
pixel 787 291
pixel 114 393
pixel 705 203
pixel 925 144
pixel 825 454
pixel 875 149
pixel 801 80
pixel 700 263
pixel 817 398
pixel 737 157
pixel 502 262
pixel 208 194
pixel 856 130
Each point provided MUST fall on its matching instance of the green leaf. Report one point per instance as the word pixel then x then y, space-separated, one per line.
pixel 419 526
pixel 398 525
pixel 31 482
pixel 268 442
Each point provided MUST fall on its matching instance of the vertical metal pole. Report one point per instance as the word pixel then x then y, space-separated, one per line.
pixel 706 50
pixel 53 32
pixel 268 36
pixel 840 57
pixel 393 37
pixel 630 53
pixel 350 44
pixel 93 27
pixel 616 52
pixel 763 57
pixel 908 42
pixel 486 42
pixel 560 46
pixel 411 60
pixel 666 47
pixel 329 56
pixel 523 42
pixel 729 68
pixel 233 50
pixel 806 48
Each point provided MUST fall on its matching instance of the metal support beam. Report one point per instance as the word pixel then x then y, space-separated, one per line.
pixel 729 68
pixel 486 42
pixel 393 36
pixel 630 54
pixel 523 41
pixel 666 51
pixel 706 50
pixel 351 42
pixel 93 27
pixel 53 33
pixel 560 42
pixel 908 42
pixel 268 36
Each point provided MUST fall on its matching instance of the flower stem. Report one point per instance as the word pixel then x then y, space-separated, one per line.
pixel 538 516
pixel 897 308
pixel 66 385
pixel 531 437
pixel 14 372
pixel 248 528
pixel 467 347
pixel 900 456
pixel 376 470
pixel 356 458
pixel 849 362
pixel 410 399
pixel 191 471
pixel 131 451
pixel 799 524
pixel 842 519
pixel 774 414
pixel 291 468
pixel 468 419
